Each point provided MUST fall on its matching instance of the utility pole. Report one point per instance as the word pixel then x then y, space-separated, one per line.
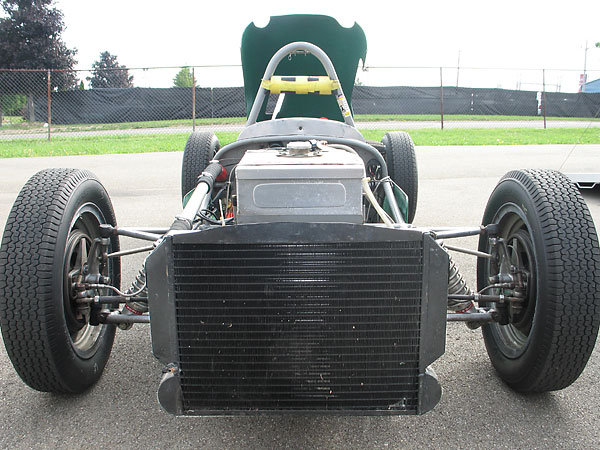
pixel 585 58
pixel 457 68
pixel 544 95
pixel 584 67
pixel 193 100
pixel 441 97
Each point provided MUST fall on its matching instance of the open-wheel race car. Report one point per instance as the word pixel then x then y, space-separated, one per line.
pixel 293 279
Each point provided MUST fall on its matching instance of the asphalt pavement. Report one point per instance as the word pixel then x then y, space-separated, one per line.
pixel 476 411
pixel 42 133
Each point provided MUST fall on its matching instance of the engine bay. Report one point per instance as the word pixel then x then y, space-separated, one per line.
pixel 301 182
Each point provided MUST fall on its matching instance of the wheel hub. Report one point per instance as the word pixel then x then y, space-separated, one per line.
pixel 81 261
pixel 76 256
pixel 520 248
pixel 517 263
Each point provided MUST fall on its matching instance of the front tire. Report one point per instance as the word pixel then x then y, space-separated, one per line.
pixel 48 236
pixel 552 241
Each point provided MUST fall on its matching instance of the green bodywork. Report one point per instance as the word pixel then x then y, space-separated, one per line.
pixel 344 46
pixel 401 199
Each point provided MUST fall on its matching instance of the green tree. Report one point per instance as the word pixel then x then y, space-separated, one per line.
pixel 30 38
pixel 13 104
pixel 183 78
pixel 108 73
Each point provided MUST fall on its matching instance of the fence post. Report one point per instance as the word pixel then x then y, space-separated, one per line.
pixel 49 105
pixel 193 100
pixel 544 95
pixel 441 98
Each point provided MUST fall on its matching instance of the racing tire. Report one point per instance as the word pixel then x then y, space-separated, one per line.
pixel 402 166
pixel 48 235
pixel 551 238
pixel 200 148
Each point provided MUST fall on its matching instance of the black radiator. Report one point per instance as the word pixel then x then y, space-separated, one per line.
pixel 312 324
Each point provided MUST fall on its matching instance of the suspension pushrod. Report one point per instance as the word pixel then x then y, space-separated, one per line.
pixel 468 251
pixel 110 299
pixel 131 252
pixel 481 317
pixel 458 232
pixel 116 318
pixel 117 299
pixel 485 298
pixel 153 230
pixel 136 234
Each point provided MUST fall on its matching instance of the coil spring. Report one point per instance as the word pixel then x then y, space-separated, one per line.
pixel 457 286
pixel 139 284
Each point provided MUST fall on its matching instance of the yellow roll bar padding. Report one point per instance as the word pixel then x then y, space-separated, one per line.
pixel 300 84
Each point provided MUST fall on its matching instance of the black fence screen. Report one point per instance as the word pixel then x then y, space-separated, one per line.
pixel 148 104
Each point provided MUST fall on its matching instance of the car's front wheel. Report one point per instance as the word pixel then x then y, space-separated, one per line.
pixel 552 248
pixel 47 248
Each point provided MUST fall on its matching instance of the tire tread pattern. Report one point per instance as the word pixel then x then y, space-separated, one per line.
pixel 402 166
pixel 199 150
pixel 573 264
pixel 28 321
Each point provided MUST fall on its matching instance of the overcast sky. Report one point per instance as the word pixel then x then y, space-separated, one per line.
pixel 514 34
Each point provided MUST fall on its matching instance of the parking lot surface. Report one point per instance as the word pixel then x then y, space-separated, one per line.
pixel 476 411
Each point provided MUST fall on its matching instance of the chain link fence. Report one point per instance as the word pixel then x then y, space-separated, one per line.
pixel 43 104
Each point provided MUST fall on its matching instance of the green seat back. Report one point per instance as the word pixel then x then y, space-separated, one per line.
pixel 344 46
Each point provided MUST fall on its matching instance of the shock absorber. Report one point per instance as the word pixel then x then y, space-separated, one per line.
pixel 457 285
pixel 138 308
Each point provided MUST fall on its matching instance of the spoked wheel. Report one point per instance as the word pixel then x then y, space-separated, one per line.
pixel 48 248
pixel 551 251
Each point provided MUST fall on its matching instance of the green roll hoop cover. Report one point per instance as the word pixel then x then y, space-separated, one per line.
pixel 344 46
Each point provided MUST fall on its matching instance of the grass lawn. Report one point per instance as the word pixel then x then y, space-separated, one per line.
pixel 12 120
pixel 98 145
pixel 461 117
pixel 95 145
pixel 17 123
pixel 498 136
